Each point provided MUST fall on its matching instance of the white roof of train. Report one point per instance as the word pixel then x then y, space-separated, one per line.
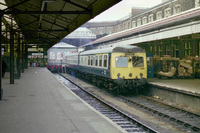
pixel 123 49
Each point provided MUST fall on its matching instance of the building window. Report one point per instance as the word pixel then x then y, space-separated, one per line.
pixel 139 22
pixel 93 31
pixel 167 12
pixel 177 9
pixel 129 25
pixel 159 15
pixel 176 50
pixel 117 29
pixel 101 31
pixel 151 49
pixel 133 24
pixel 160 50
pixel 197 3
pixel 109 30
pixel 124 26
pixel 155 50
pixel 168 51
pixel 187 49
pixel 144 20
pixel 151 18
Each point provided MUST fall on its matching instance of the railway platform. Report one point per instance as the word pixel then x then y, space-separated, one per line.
pixel 185 85
pixel 39 103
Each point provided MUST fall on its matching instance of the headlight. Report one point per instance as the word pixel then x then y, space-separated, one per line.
pixel 130 74
pixel 117 59
pixel 141 74
pixel 118 74
pixel 129 58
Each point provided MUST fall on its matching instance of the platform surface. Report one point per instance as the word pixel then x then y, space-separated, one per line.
pixel 187 85
pixel 39 103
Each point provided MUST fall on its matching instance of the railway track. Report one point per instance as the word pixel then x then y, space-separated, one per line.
pixel 121 118
pixel 186 121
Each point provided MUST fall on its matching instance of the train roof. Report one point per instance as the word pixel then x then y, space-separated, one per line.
pixel 117 49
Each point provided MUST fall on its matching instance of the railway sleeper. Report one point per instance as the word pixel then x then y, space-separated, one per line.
pixel 122 122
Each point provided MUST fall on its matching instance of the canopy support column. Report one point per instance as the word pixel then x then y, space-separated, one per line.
pixel 22 54
pixel 26 56
pixel 0 59
pixel 11 56
pixel 18 57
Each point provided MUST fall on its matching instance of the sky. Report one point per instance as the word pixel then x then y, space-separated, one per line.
pixel 123 9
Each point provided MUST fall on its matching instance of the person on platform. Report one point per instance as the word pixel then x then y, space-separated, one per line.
pixel 4 67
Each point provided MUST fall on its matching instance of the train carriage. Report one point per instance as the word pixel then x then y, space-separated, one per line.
pixel 120 68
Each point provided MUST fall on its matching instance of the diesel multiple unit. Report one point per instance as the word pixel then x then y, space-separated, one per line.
pixel 120 68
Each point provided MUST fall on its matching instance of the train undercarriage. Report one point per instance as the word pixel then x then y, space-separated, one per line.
pixel 117 86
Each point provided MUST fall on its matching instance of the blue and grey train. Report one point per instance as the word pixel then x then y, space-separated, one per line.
pixel 119 69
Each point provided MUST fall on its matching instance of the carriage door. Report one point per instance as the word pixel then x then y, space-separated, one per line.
pixel 150 71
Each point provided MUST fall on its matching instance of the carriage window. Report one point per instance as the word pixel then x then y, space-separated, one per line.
pixel 94 60
pixel 138 61
pixel 88 60
pixel 85 59
pixel 81 60
pixel 96 63
pixel 91 60
pixel 105 61
pixel 100 60
pixel 121 61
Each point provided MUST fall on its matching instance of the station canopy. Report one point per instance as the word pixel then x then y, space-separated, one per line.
pixel 81 33
pixel 48 21
pixel 63 45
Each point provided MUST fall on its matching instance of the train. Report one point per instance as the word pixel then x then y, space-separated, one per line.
pixel 119 69
pixel 56 53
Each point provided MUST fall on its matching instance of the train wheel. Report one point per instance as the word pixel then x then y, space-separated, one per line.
pixel 120 89
pixel 124 90
pixel 106 85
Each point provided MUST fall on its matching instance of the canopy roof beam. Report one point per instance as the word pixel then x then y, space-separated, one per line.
pixel 39 30
pixel 69 1
pixel 48 12
pixel 13 6
pixel 51 22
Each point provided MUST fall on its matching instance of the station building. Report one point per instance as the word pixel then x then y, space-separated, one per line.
pixel 180 45
pixel 79 37
pixel 169 32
